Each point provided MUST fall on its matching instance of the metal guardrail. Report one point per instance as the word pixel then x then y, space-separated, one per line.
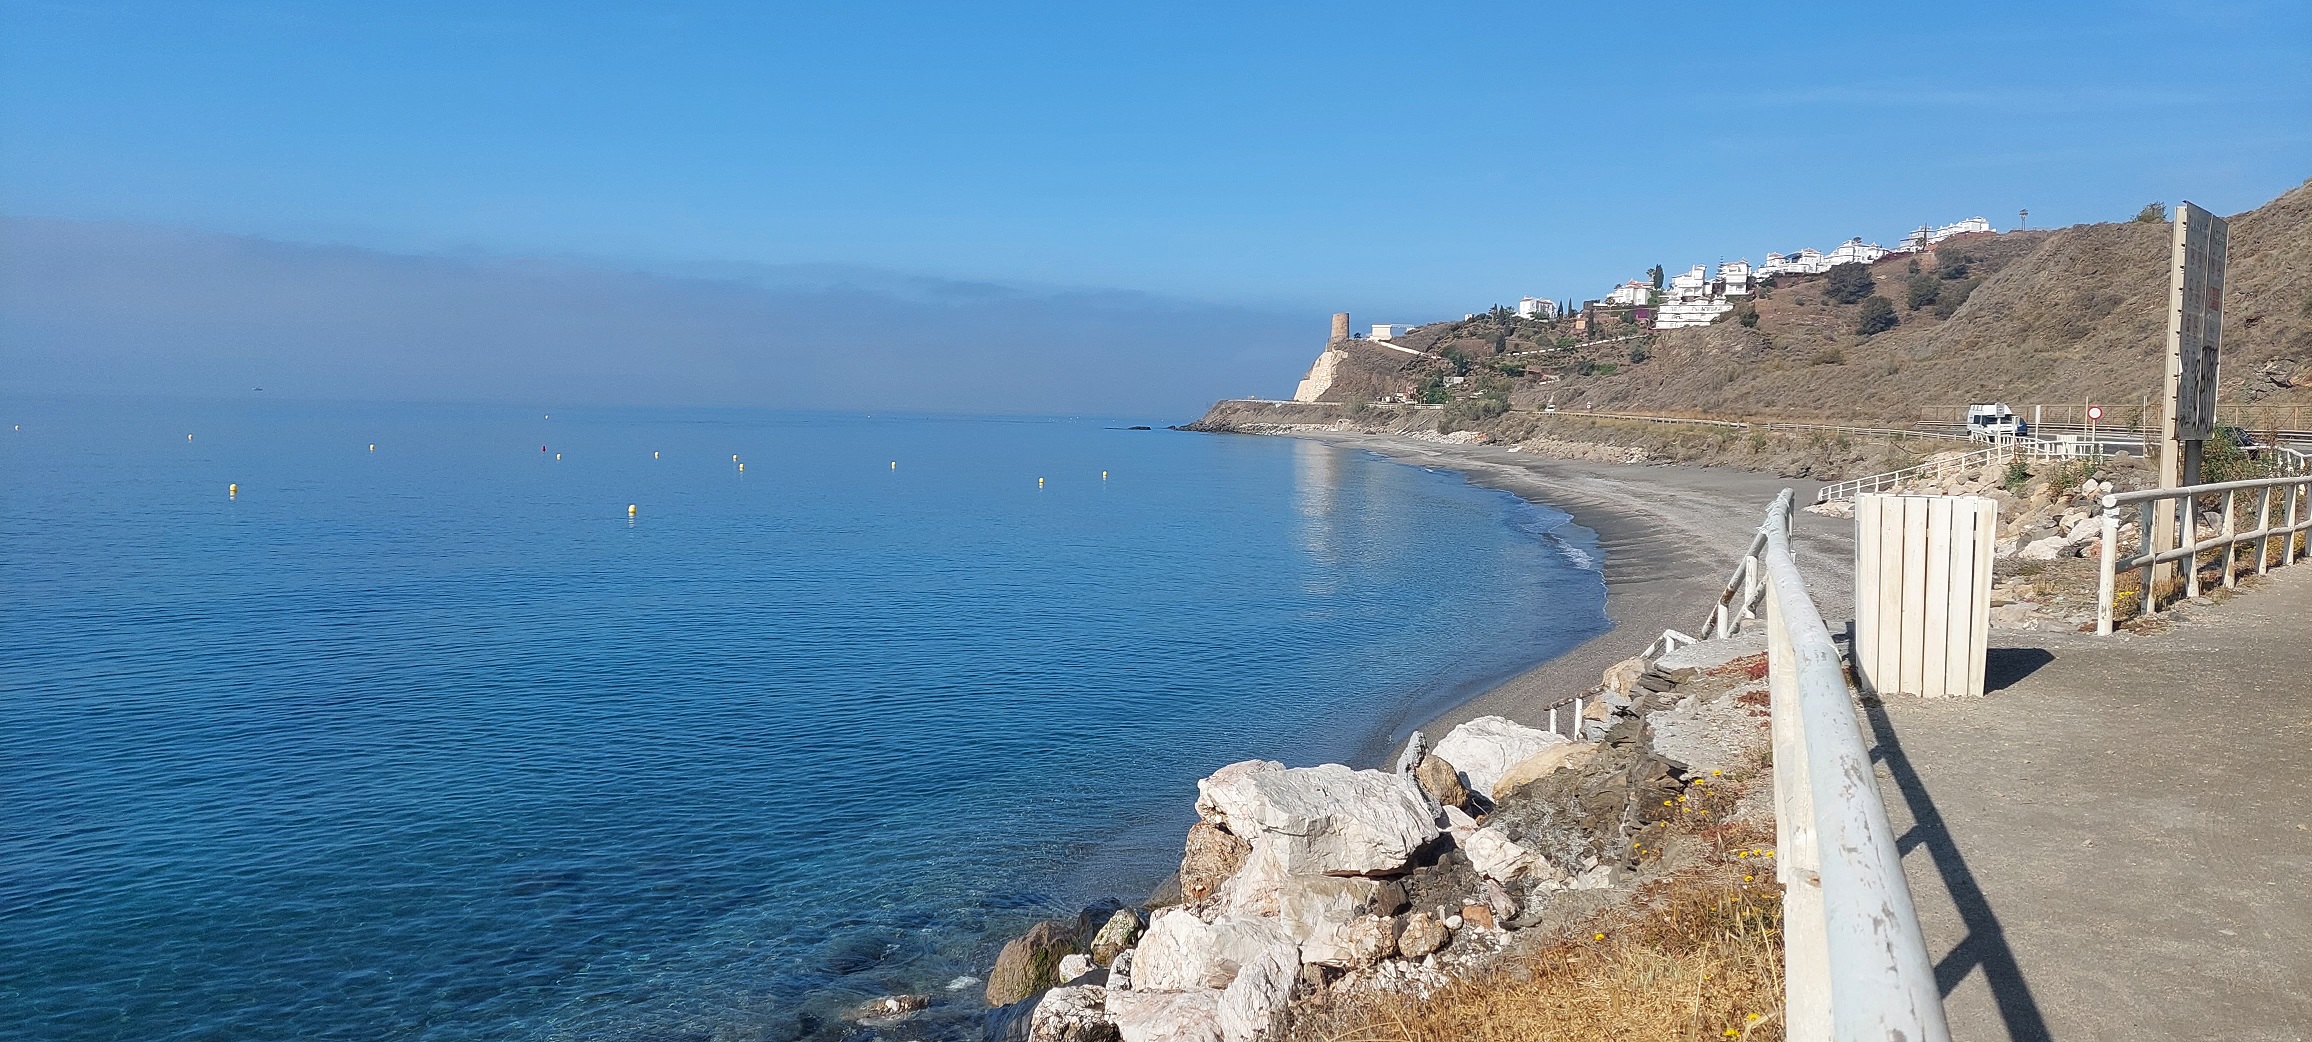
pixel 1855 964
pixel 2184 502
pixel 2000 451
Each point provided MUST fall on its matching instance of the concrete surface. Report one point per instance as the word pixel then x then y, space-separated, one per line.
pixel 2116 841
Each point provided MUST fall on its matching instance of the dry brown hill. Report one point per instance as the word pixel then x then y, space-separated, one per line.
pixel 2069 315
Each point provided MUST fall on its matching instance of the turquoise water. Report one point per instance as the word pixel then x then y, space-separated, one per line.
pixel 435 742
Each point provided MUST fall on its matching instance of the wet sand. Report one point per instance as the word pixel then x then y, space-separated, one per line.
pixel 1671 535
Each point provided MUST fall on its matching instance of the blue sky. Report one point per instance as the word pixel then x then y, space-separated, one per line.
pixel 1403 161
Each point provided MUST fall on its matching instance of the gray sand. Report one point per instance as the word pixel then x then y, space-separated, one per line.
pixel 1671 536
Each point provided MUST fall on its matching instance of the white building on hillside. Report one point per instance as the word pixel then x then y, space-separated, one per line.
pixel 1389 332
pixel 1815 262
pixel 1695 299
pixel 1631 294
pixel 1535 307
pixel 1922 237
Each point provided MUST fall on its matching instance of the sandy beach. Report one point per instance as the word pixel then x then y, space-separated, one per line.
pixel 1671 535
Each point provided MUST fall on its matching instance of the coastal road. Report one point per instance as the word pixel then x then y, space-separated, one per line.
pixel 2116 841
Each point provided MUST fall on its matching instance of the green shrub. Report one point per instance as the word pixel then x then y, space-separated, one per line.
pixel 1747 314
pixel 1877 316
pixel 2017 476
pixel 2152 213
pixel 1637 353
pixel 1848 284
pixel 1470 412
pixel 1922 291
pixel 1948 300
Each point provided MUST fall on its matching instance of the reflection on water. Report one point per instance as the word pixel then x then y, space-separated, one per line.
pixel 1316 471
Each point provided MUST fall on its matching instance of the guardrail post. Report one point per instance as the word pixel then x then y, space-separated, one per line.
pixel 2288 545
pixel 2107 583
pixel 2231 549
pixel 2189 532
pixel 2150 600
pixel 2264 530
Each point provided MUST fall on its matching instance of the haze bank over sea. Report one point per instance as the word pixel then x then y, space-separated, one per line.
pixel 432 740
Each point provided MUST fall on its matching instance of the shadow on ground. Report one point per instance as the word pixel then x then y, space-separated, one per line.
pixel 2005 667
pixel 1985 946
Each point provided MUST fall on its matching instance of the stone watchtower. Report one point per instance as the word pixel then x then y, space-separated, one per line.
pixel 1340 326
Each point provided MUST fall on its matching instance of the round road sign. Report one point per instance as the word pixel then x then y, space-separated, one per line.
pixel 2095 412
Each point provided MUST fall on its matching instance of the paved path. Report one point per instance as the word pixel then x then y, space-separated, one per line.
pixel 2116 843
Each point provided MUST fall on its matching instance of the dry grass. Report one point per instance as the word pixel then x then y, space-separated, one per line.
pixel 1696 955
pixel 1701 959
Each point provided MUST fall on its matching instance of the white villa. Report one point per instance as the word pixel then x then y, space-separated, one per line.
pixel 1631 294
pixel 1535 307
pixel 1923 238
pixel 1815 262
pixel 1695 299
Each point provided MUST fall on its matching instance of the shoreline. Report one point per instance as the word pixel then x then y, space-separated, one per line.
pixel 1669 534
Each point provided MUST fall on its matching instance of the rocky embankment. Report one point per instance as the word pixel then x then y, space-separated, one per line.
pixel 1300 886
pixel 2050 534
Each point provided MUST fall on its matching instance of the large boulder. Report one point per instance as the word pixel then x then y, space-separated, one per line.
pixel 1184 953
pixel 1309 907
pixel 1115 936
pixel 1540 765
pixel 1326 819
pixel 1157 1016
pixel 1486 748
pixel 1030 962
pixel 1442 781
pixel 1212 856
pixel 1262 987
pixel 1498 857
pixel 1077 1014
pixel 1355 946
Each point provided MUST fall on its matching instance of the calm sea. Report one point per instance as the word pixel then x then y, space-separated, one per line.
pixel 434 741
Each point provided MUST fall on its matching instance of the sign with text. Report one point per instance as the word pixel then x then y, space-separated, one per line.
pixel 2195 321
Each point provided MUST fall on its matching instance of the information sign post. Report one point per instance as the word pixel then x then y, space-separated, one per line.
pixel 2195 331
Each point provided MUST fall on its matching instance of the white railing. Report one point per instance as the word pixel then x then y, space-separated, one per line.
pixel 1855 964
pixel 1937 469
pixel 2182 504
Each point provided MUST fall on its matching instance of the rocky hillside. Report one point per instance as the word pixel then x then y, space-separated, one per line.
pixel 2069 315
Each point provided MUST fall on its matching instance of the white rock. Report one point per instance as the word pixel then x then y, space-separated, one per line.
pixel 1074 965
pixel 1183 953
pixel 1310 907
pixel 2041 549
pixel 1459 824
pixel 1486 748
pixel 1325 819
pixel 1173 955
pixel 1261 988
pixel 2086 528
pixel 1355 946
pixel 1150 1016
pixel 1068 1013
pixel 1496 856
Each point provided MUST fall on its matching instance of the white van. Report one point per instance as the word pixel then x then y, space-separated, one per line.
pixel 1994 420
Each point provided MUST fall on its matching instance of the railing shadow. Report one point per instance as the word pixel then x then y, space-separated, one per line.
pixel 1985 945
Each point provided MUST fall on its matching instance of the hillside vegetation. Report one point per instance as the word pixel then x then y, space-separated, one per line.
pixel 2074 315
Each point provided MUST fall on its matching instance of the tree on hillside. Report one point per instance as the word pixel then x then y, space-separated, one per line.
pixel 1848 283
pixel 1924 288
pixel 1877 316
pixel 1655 273
pixel 2152 213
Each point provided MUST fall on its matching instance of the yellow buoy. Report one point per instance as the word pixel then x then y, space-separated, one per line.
pixel 233 491
pixel 1039 482
pixel 1103 475
pixel 373 446
pixel 895 464
pixel 742 468
pixel 557 455
pixel 734 457
pixel 188 437
pixel 630 510
pixel 654 455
